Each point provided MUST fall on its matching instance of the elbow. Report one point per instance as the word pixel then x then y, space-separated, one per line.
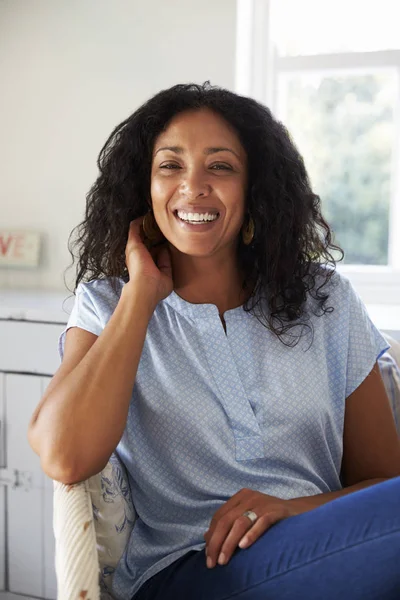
pixel 62 474
pixel 67 464
pixel 33 437
pixel 69 470
pixel 52 465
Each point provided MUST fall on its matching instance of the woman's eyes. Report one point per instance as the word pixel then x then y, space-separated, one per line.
pixel 220 165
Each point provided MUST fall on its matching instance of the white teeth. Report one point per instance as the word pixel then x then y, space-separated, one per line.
pixel 196 217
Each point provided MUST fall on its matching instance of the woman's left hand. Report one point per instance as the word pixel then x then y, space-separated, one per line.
pixel 228 526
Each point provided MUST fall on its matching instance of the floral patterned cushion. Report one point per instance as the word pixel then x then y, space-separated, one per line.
pixel 114 516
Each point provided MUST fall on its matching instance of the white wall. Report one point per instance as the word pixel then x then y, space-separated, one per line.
pixel 70 70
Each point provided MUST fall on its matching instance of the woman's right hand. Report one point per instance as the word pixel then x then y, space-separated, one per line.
pixel 150 268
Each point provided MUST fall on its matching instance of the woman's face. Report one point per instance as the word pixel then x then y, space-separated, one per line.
pixel 199 167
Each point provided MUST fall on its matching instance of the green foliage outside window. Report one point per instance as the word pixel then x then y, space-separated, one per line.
pixel 343 127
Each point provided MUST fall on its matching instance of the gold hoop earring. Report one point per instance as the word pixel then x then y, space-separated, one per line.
pixel 151 229
pixel 248 232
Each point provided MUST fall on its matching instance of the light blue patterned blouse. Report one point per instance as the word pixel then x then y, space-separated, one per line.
pixel 212 413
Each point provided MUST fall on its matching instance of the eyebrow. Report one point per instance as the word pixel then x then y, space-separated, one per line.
pixel 212 150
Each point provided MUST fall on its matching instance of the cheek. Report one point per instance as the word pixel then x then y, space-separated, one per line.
pixel 234 197
pixel 155 187
pixel 160 190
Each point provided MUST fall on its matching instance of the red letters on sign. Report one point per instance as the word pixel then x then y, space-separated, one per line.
pixel 12 245
pixel 5 244
pixel 19 246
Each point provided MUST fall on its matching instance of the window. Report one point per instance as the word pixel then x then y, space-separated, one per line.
pixel 331 72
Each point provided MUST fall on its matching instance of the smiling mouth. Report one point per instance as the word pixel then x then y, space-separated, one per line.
pixel 199 221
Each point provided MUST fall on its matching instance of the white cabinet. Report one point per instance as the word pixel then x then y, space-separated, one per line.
pixel 2 538
pixel 28 359
pixel 2 488
pixel 25 497
pixel 29 501
pixel 49 576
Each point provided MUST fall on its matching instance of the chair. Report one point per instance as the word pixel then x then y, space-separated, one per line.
pixel 93 520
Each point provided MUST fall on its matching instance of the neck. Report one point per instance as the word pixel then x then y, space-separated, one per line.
pixel 209 280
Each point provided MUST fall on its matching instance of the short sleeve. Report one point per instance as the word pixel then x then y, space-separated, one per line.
pixel 83 315
pixel 365 344
pixel 391 378
pixel 95 301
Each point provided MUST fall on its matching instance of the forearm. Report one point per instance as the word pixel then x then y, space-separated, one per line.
pixel 307 503
pixel 83 417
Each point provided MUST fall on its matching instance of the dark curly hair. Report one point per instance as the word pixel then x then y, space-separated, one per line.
pixel 291 253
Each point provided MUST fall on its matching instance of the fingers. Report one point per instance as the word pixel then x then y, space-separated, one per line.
pixel 135 232
pixel 259 527
pixel 241 526
pixel 163 260
pixel 234 502
pixel 225 540
pixel 232 507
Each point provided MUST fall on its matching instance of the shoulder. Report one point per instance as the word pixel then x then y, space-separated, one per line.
pixel 337 288
pixel 107 290
pixel 345 319
pixel 98 297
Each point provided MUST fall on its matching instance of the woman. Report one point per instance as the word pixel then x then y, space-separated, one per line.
pixel 234 371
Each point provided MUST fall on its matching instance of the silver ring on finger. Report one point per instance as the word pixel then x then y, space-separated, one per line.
pixel 251 514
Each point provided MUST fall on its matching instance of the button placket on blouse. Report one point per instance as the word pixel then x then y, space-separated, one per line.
pixel 248 438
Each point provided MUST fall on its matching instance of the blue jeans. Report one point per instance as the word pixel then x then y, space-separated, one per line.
pixel 347 548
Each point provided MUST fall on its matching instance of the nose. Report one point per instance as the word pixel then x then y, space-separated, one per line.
pixel 195 184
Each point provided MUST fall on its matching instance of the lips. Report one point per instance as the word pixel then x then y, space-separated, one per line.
pixel 197 209
pixel 215 217
pixel 196 225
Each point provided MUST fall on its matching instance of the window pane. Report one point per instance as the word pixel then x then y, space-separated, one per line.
pixel 344 129
pixel 318 27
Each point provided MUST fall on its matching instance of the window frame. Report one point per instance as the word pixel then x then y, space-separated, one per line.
pixel 257 70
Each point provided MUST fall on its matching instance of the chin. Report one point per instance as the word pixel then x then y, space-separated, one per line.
pixel 194 251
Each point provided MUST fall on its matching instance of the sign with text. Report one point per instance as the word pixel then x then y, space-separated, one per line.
pixel 19 248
